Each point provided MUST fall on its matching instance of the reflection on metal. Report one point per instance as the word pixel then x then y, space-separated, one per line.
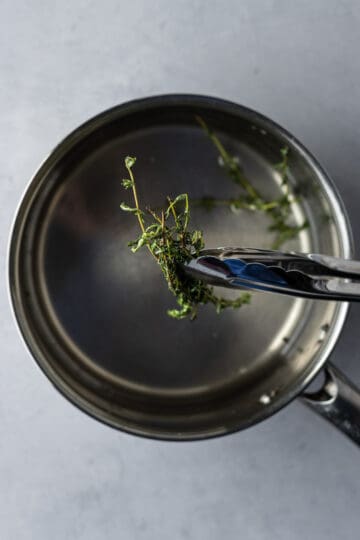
pixel 295 274
pixel 339 402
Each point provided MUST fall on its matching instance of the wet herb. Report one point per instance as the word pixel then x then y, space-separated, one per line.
pixel 165 234
pixel 249 198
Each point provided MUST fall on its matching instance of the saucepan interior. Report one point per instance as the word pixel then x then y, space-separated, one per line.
pixel 94 315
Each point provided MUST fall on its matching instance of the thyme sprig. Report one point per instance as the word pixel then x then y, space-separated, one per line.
pixel 165 234
pixel 249 198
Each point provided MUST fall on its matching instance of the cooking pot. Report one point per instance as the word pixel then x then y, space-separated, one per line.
pixel 93 315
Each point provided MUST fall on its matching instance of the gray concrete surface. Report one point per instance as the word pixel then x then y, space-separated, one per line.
pixel 64 476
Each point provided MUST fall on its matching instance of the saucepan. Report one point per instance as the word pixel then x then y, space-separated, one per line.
pixel 93 314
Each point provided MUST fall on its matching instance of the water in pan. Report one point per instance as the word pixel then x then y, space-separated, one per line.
pixel 112 304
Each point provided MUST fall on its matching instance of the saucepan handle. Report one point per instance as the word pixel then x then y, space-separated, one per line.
pixel 338 401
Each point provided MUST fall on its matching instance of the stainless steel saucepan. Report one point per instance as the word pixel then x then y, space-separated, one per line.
pixel 93 315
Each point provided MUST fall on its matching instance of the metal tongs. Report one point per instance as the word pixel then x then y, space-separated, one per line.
pixel 297 274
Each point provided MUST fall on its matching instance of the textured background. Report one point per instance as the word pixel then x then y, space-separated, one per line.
pixel 64 476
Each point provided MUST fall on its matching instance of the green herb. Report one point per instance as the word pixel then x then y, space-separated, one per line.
pixel 166 236
pixel 278 210
pixel 165 232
